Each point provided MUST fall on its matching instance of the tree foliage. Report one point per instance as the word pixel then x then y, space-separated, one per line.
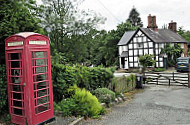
pixel 17 16
pixel 172 52
pixel 107 46
pixel 69 28
pixel 134 18
pixel 184 34
pixel 146 60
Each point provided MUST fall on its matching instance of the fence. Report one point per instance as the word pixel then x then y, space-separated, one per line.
pixel 164 78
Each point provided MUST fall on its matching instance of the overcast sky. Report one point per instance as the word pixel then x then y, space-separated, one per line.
pixel 117 11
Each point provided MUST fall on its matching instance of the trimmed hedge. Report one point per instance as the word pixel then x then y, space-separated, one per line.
pixel 3 90
pixel 64 76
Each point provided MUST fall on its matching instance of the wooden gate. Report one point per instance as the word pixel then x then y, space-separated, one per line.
pixel 169 79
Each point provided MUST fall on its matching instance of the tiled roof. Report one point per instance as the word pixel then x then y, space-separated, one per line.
pixel 162 36
pixel 126 37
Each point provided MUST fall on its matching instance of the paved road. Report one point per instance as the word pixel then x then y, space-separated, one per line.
pixel 122 74
pixel 157 105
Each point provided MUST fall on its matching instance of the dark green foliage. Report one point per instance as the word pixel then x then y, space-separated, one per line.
pixel 66 106
pixel 104 95
pixel 159 69
pixel 146 60
pixel 17 16
pixel 81 103
pixel 92 78
pixel 105 51
pixel 124 84
pixel 3 90
pixel 173 52
pixel 134 18
pixel 184 34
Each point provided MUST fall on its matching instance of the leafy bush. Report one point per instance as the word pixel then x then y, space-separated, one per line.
pixel 123 84
pixel 3 90
pixel 91 78
pixel 67 106
pixel 87 104
pixel 81 103
pixel 104 95
pixel 159 69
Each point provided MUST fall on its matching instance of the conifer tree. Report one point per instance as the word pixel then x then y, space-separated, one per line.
pixel 134 18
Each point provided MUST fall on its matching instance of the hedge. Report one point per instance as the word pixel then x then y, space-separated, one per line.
pixel 3 90
pixel 90 78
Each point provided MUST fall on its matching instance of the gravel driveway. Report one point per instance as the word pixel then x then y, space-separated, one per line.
pixel 157 105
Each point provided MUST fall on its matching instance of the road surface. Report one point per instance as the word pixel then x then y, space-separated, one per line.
pixel 157 105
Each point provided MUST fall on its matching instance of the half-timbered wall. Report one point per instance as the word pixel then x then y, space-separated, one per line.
pixel 139 45
pixel 159 58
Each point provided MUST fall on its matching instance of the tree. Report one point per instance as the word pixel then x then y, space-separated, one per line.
pixel 68 28
pixel 108 49
pixel 17 16
pixel 184 34
pixel 172 52
pixel 134 18
pixel 145 61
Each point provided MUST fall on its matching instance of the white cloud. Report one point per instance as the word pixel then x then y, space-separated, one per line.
pixel 164 10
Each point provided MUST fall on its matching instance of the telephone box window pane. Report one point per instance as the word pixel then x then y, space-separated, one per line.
pixel 15 64
pixel 39 70
pixel 17 96
pixel 16 88
pixel 17 103
pixel 15 80
pixel 40 77
pixel 17 111
pixel 15 72
pixel 42 92
pixel 42 108
pixel 42 85
pixel 14 56
pixel 42 100
pixel 39 55
pixel 39 62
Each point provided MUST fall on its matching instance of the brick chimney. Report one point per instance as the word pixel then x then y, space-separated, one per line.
pixel 173 26
pixel 152 23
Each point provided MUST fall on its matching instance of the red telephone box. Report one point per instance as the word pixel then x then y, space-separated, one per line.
pixel 29 78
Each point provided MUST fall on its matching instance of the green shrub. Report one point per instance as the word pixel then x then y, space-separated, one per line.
pixel 67 106
pixel 3 90
pixel 91 78
pixel 159 69
pixel 104 95
pixel 87 104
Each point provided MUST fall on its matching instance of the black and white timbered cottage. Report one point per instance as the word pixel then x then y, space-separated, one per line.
pixel 148 40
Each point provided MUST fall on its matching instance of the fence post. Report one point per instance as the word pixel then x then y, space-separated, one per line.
pixel 189 77
pixel 169 82
pixel 173 76
pixel 157 81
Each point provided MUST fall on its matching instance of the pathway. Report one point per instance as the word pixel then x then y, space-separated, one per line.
pixel 157 105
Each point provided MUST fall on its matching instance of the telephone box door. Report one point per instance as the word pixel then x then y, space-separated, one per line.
pixel 16 86
pixel 41 74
